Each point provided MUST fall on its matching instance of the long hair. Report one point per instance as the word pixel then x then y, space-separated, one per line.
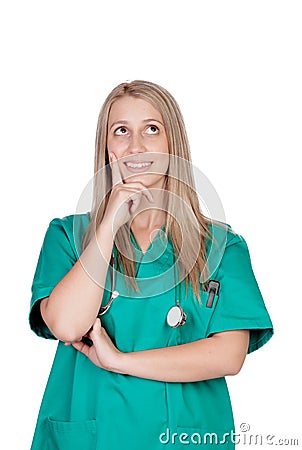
pixel 186 227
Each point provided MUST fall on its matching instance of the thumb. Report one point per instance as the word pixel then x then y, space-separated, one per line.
pixel 96 328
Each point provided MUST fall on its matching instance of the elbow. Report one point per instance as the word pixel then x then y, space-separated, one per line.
pixel 235 367
pixel 234 348
pixel 64 334
pixel 67 332
pixel 62 330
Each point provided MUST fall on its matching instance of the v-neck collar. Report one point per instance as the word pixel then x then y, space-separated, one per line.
pixel 156 237
pixel 159 250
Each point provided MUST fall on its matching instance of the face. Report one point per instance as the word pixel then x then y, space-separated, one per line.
pixel 137 137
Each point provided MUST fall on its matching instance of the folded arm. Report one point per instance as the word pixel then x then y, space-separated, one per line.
pixel 217 356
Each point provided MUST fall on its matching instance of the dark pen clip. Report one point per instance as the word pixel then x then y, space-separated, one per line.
pixel 212 290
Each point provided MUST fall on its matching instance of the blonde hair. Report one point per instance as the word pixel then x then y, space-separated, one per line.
pixel 189 232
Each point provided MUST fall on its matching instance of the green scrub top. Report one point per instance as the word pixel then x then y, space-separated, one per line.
pixel 88 408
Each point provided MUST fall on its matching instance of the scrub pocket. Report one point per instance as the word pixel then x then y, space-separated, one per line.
pixel 198 319
pixel 208 312
pixel 71 435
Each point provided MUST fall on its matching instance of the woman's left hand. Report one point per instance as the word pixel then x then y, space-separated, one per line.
pixel 103 352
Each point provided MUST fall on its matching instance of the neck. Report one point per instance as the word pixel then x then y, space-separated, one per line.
pixel 148 220
pixel 151 215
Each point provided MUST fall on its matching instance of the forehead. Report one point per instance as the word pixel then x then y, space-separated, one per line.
pixel 130 108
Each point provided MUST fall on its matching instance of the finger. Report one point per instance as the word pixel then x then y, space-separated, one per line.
pixel 115 170
pixel 137 189
pixel 96 335
pixel 96 329
pixel 81 347
pixel 67 344
pixel 134 205
pixel 148 195
pixel 97 325
pixel 136 200
pixel 146 192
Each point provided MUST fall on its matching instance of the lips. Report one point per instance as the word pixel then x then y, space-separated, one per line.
pixel 138 166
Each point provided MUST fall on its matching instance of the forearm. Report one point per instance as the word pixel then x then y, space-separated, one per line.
pixel 220 355
pixel 73 305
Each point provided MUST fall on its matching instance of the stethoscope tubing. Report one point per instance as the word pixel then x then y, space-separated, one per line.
pixel 176 317
pixel 114 293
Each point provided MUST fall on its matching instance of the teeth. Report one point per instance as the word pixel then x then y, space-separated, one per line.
pixel 138 165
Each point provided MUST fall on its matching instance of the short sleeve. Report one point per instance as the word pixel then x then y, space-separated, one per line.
pixel 57 256
pixel 240 304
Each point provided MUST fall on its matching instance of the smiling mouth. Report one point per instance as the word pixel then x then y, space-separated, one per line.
pixel 138 165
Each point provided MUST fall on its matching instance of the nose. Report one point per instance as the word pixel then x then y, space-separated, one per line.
pixel 136 144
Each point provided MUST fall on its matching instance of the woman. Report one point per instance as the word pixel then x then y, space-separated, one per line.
pixel 144 346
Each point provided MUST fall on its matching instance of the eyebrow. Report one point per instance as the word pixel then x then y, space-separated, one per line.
pixel 124 122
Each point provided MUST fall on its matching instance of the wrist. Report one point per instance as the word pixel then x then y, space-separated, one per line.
pixel 105 230
pixel 119 363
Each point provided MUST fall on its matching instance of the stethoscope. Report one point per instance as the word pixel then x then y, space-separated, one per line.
pixel 176 317
pixel 114 293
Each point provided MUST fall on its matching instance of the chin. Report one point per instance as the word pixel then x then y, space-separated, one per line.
pixel 147 180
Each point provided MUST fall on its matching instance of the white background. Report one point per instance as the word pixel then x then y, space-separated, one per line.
pixel 235 69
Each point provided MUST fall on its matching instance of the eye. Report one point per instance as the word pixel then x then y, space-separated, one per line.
pixel 152 129
pixel 120 131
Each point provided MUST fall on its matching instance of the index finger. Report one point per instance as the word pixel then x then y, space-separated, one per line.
pixel 116 174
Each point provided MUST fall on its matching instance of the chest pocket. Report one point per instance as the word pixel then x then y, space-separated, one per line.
pixel 71 435
pixel 199 315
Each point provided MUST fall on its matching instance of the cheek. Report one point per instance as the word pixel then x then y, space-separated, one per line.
pixel 165 145
pixel 160 146
pixel 162 163
pixel 111 143
pixel 165 167
pixel 115 146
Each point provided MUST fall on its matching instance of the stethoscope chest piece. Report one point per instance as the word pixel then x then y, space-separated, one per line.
pixel 176 316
